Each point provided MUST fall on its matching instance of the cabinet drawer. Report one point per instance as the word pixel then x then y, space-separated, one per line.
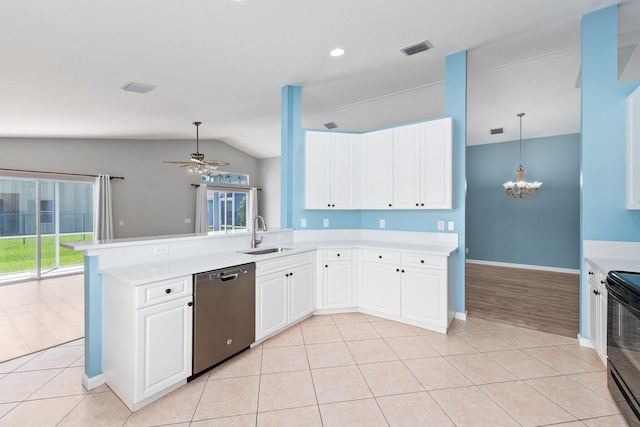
pixel 381 255
pixel 337 254
pixel 421 260
pixel 282 263
pixel 167 290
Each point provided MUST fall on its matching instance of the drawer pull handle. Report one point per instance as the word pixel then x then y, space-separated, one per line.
pixel 421 261
pixel 397 269
pixel 403 271
pixel 190 304
pixel 338 254
pixel 596 292
pixel 168 290
pixel 591 273
pixel 380 256
pixel 326 266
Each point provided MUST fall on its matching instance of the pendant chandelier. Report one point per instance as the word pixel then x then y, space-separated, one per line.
pixel 521 189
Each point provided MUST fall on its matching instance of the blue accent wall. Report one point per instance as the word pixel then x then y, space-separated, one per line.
pixel 92 317
pixel 603 157
pixel 543 230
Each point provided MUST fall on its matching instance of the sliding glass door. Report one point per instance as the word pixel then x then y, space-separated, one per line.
pixel 36 216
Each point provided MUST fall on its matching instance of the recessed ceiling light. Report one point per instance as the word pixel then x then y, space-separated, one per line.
pixel 337 52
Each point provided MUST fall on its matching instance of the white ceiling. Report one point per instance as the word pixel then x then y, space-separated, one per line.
pixel 223 62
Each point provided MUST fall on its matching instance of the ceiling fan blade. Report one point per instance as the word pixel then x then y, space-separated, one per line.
pixel 176 162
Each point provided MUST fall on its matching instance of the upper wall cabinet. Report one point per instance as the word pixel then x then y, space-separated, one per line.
pixel 422 166
pixel 633 150
pixel 377 170
pixel 407 167
pixel 330 170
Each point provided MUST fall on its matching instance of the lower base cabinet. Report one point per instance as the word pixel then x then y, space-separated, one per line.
pixel 598 310
pixel 408 286
pixel 284 293
pixel 147 345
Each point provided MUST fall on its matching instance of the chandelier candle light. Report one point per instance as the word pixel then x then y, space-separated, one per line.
pixel 521 188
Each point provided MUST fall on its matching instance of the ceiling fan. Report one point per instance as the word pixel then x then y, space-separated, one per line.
pixel 197 164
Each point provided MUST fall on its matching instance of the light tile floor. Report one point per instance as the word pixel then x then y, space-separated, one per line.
pixel 40 314
pixel 342 370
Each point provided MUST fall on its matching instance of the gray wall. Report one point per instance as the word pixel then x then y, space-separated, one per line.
pixel 155 198
pixel 543 230
pixel 269 196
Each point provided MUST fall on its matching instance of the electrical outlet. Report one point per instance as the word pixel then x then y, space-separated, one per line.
pixel 280 236
pixel 382 223
pixel 187 220
pixel 121 223
pixel 450 226
pixel 440 225
pixel 161 250
pixel 325 222
pixel 303 222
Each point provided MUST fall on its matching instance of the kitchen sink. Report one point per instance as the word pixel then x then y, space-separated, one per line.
pixel 264 251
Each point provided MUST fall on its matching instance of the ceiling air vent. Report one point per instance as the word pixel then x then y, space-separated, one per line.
pixel 417 48
pixel 330 125
pixel 496 131
pixel 137 87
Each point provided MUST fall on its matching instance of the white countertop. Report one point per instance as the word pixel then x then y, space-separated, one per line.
pixel 143 273
pixel 609 264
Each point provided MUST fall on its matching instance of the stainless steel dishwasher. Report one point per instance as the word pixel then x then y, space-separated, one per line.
pixel 224 314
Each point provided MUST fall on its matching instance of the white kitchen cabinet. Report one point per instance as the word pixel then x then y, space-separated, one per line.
pixel 147 346
pixel 330 170
pixel 633 150
pixel 377 170
pixel 284 292
pixel 422 165
pixel 598 309
pixel 409 286
pixel 337 278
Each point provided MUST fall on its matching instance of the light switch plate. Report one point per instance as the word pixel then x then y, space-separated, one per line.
pixel 450 226
pixel 325 222
pixel 382 223
pixel 440 225
pixel 303 222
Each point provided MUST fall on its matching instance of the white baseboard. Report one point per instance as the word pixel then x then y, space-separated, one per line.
pixel 461 316
pixel 524 266
pixel 93 382
pixel 585 342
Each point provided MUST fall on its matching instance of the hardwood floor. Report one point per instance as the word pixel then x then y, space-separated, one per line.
pixel 541 300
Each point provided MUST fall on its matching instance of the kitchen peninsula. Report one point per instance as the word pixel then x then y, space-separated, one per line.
pixel 138 293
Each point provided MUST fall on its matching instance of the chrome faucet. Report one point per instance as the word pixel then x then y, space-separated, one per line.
pixel 255 242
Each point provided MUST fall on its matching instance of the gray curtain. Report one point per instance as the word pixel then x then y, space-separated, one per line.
pixel 201 222
pixel 104 212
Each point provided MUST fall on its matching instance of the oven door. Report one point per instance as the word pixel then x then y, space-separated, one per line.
pixel 623 350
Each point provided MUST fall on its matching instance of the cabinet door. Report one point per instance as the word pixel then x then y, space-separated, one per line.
pixel 342 172
pixel 406 167
pixel 602 323
pixel 594 314
pixel 337 284
pixel 424 295
pixel 317 160
pixel 437 165
pixel 300 292
pixel 164 341
pixel 271 303
pixel 377 170
pixel 381 288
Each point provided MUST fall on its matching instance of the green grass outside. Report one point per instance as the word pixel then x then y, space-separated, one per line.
pixel 19 254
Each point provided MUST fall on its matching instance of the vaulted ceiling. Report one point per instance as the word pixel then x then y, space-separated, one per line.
pixel 223 62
